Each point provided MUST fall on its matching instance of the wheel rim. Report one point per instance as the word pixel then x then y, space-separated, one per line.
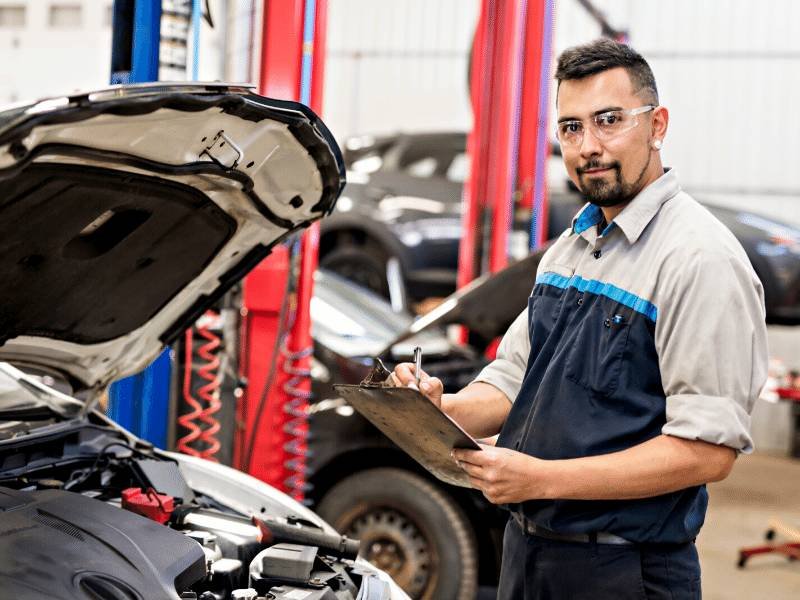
pixel 393 543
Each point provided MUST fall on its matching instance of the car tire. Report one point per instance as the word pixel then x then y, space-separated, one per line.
pixel 409 528
pixel 363 264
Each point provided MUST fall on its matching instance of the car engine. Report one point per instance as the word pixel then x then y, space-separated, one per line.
pixel 89 513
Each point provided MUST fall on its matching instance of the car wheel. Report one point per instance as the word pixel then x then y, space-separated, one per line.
pixel 362 264
pixel 409 528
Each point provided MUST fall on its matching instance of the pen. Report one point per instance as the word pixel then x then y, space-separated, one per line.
pixel 417 363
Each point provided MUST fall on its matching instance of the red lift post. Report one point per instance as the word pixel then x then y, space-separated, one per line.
pixel 509 85
pixel 509 89
pixel 271 442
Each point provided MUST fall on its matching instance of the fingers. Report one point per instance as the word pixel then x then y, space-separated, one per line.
pixel 404 374
pixel 469 457
pixel 431 386
pixel 474 471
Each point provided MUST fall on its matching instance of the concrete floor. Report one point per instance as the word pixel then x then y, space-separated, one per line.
pixel 759 488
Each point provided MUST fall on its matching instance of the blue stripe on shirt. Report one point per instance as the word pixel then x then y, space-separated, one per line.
pixel 632 301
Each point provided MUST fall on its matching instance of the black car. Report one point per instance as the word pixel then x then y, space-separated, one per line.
pixel 397 227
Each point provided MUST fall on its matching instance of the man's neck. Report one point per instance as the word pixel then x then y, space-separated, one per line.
pixel 654 171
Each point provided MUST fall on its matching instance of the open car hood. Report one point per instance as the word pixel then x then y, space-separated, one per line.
pixel 127 212
pixel 487 305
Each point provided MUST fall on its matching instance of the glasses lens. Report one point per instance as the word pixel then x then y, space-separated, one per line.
pixel 611 124
pixel 570 133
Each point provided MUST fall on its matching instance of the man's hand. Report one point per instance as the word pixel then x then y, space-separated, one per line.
pixel 431 387
pixel 658 466
pixel 504 476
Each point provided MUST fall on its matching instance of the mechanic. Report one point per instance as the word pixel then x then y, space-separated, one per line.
pixel 627 384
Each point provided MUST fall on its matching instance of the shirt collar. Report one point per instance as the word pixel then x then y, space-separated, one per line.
pixel 637 215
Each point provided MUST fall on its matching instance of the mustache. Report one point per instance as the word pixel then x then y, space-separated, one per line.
pixel 594 164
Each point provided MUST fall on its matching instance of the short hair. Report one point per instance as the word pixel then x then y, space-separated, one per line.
pixel 603 54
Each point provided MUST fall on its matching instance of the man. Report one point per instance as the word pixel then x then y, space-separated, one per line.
pixel 627 384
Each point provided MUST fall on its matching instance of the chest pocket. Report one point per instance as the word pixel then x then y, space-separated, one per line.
pixel 599 344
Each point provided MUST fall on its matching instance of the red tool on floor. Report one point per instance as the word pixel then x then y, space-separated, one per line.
pixel 789 548
pixel 789 545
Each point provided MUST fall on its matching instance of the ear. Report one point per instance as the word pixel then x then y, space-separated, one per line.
pixel 660 123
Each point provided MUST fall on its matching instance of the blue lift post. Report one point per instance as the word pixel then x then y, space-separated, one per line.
pixel 140 403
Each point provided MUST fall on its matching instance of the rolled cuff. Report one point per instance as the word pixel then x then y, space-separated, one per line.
pixel 713 419
pixel 502 375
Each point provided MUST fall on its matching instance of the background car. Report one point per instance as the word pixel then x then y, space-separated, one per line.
pixel 397 226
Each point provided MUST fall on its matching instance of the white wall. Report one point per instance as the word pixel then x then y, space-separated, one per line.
pixel 39 60
pixel 398 65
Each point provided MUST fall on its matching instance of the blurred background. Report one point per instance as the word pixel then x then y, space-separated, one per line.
pixel 399 97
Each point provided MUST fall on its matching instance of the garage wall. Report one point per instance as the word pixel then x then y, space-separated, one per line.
pixel 399 65
pixel 51 48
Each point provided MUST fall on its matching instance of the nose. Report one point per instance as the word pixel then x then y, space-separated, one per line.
pixel 590 145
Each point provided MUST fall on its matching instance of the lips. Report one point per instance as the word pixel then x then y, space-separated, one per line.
pixel 596 168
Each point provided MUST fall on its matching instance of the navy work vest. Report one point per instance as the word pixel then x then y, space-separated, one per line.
pixel 592 386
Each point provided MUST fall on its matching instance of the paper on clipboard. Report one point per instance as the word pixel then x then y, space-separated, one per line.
pixel 412 422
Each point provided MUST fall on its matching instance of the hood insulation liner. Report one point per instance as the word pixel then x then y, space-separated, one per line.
pixel 90 254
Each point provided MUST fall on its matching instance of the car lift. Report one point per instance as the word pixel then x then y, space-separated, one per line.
pixel 509 89
pixel 509 143
pixel 270 442
pixel 151 40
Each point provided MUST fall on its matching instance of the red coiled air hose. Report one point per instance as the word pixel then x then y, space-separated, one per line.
pixel 296 428
pixel 187 420
pixel 209 391
pixel 204 409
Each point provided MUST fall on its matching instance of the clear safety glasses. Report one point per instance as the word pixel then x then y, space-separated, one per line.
pixel 605 126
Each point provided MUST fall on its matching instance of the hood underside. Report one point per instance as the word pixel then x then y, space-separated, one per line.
pixel 128 212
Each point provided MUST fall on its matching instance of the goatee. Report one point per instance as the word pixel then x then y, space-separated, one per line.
pixel 602 193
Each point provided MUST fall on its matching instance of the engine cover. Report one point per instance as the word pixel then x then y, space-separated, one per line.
pixel 57 544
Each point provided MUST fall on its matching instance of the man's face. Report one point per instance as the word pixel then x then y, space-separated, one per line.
pixel 607 172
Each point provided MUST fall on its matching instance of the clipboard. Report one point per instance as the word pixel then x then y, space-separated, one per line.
pixel 412 422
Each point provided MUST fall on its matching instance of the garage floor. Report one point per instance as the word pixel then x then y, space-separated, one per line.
pixel 759 488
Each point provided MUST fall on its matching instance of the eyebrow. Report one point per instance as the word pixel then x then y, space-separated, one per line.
pixel 594 114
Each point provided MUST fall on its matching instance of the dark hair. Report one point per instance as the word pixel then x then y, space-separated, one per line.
pixel 604 54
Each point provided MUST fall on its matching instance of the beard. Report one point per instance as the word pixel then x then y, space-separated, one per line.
pixel 604 193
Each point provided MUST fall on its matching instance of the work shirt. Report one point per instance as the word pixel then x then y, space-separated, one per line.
pixel 656 325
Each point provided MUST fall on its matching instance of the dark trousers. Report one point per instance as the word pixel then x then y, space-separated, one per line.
pixel 535 568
